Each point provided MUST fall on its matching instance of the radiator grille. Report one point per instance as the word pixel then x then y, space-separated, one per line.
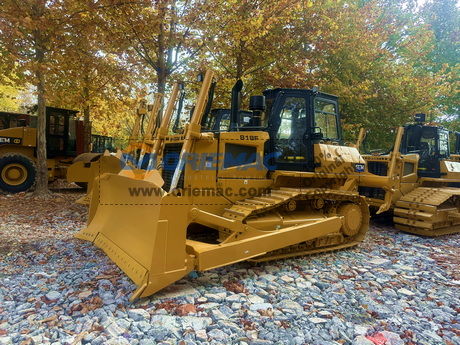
pixel 170 161
pixel 377 168
pixel 370 192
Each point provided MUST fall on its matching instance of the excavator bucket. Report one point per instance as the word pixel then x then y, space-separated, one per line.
pixel 136 224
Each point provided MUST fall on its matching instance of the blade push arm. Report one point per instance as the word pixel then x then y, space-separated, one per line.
pixel 194 128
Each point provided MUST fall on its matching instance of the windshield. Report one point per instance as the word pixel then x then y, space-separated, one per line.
pixel 326 119
pixel 444 151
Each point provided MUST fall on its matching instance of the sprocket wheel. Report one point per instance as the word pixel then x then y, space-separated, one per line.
pixel 352 218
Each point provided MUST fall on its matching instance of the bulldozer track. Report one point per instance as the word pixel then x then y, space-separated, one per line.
pixel 68 190
pixel 283 198
pixel 436 233
pixel 429 212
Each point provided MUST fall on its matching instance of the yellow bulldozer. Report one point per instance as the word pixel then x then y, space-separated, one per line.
pixel 417 180
pixel 277 182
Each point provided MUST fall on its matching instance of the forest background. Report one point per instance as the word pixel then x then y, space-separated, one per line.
pixel 386 59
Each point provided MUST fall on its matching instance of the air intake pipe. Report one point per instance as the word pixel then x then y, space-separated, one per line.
pixel 257 106
pixel 235 106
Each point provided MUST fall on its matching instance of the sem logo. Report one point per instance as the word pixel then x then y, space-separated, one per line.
pixel 4 140
pixel 17 141
pixel 359 167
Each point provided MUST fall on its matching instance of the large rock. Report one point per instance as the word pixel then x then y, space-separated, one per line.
pixel 379 262
pixel 115 330
pixel 6 341
pixel 216 297
pixel 217 315
pixel 406 292
pixel 258 306
pixel 218 335
pixel 289 304
pixel 197 323
pixel 53 295
pixel 175 291
pixel 165 321
pixel 255 299
pixel 138 315
pixel 118 341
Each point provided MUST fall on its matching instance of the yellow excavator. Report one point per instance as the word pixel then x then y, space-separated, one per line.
pixel 277 183
pixel 417 180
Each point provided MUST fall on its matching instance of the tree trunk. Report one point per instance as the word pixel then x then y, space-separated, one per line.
pixel 86 122
pixel 161 70
pixel 239 71
pixel 42 164
pixel 239 66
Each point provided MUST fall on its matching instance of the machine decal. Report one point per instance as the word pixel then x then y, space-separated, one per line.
pixel 249 137
pixel 7 140
pixel 359 167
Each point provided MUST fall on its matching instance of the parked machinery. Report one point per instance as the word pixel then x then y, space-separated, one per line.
pixel 18 140
pixel 278 186
pixel 64 144
pixel 139 147
pixel 417 180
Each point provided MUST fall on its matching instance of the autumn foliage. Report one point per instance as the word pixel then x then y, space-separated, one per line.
pixel 386 60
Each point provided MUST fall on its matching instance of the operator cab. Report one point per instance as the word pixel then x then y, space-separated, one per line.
pixel 298 119
pixel 430 143
pixel 218 120
pixel 295 120
pixel 61 132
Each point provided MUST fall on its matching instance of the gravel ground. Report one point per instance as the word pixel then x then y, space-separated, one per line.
pixel 395 288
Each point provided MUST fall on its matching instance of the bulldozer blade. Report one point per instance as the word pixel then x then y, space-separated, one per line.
pixel 137 225
pixel 141 174
pixel 86 172
pixel 85 200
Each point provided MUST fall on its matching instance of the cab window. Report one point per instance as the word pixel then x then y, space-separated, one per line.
pixel 289 145
pixel 326 119
pixel 444 150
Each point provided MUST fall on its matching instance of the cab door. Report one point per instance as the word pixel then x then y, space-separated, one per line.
pixel 289 128
pixel 57 129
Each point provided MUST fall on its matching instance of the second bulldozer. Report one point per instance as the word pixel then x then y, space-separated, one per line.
pixel 276 184
pixel 138 150
pixel 417 180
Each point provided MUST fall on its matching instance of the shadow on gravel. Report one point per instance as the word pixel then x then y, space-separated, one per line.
pixel 16 247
